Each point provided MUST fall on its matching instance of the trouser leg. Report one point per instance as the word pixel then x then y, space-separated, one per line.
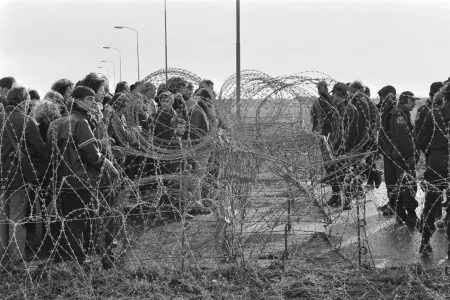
pixel 17 230
pixel 406 185
pixel 390 178
pixel 4 227
pixel 429 213
pixel 74 205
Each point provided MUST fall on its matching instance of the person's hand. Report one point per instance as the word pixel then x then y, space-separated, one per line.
pixel 106 143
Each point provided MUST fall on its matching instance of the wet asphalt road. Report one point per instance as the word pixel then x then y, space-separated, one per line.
pixel 388 244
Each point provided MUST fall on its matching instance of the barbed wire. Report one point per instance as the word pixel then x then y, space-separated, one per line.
pixel 262 179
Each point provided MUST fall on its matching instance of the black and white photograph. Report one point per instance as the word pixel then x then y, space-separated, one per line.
pixel 224 149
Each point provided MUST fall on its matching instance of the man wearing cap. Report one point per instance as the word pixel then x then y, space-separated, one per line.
pixel 427 107
pixel 386 105
pixel 404 155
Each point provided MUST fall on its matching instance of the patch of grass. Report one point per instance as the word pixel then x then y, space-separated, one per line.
pixel 229 281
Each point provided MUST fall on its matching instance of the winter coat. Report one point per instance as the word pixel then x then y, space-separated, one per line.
pixel 198 123
pixel 384 136
pixel 163 125
pixel 77 154
pixel 421 114
pixel 27 137
pixel 402 134
pixel 433 135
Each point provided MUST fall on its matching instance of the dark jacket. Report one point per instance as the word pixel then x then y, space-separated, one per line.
pixel 27 137
pixel 360 137
pixel 324 116
pixel 198 123
pixel 421 114
pixel 164 129
pixel 77 158
pixel 402 134
pixel 374 126
pixel 348 127
pixel 434 131
pixel 384 136
pixel 3 101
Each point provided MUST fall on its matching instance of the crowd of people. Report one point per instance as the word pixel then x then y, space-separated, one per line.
pixel 352 125
pixel 56 153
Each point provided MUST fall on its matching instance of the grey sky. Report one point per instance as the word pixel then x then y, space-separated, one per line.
pixel 401 43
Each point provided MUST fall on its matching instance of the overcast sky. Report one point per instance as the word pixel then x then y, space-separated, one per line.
pixel 402 43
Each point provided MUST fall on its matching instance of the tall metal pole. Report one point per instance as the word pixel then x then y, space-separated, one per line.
pixel 137 49
pixel 165 31
pixel 114 68
pixel 120 59
pixel 137 46
pixel 238 61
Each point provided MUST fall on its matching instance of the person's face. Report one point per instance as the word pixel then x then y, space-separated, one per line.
pixel 150 94
pixel 100 94
pixel 186 92
pixel 67 93
pixel 322 88
pixel 89 101
pixel 410 104
pixel 166 103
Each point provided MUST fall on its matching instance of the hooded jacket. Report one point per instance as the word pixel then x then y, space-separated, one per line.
pixel 27 137
pixel 435 129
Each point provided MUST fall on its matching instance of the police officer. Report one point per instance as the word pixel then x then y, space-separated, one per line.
pixel 346 139
pixel 427 107
pixel 367 124
pixel 325 121
pixel 433 138
pixel 385 107
pixel 404 155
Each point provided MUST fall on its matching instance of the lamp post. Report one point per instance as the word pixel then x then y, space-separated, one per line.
pixel 106 69
pixel 137 44
pixel 114 68
pixel 120 59
pixel 165 33
pixel 238 60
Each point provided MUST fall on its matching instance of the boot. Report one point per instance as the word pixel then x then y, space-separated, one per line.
pixel 425 249
pixel 388 210
pixel 335 200
pixel 347 204
pixel 411 219
pixel 400 215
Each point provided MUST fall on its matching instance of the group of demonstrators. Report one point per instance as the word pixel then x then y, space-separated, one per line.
pixel 56 154
pixel 348 116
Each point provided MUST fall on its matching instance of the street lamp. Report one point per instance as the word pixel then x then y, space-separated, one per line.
pixel 120 59
pixel 107 70
pixel 137 44
pixel 114 68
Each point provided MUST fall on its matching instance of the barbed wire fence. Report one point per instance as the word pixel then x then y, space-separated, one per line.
pixel 265 184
